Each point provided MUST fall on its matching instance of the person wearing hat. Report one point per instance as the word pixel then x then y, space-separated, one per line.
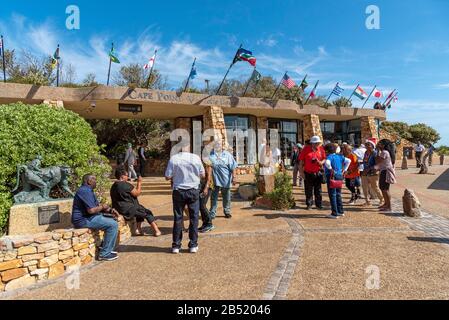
pixel 312 160
pixel 130 161
pixel 369 175
pixel 295 163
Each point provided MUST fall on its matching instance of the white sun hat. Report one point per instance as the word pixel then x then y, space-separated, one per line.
pixel 315 139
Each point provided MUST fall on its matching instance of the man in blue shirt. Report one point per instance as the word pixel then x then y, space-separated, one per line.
pixel 88 213
pixel 223 172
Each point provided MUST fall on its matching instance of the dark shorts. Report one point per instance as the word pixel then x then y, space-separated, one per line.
pixel 383 185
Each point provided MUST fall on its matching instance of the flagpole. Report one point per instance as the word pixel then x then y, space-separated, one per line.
pixel 227 72
pixel 350 97
pixel 366 101
pixel 390 95
pixel 152 68
pixel 310 95
pixel 331 94
pixel 391 99
pixel 188 79
pixel 110 64
pixel 280 82
pixel 299 89
pixel 3 58
pixel 249 82
pixel 57 69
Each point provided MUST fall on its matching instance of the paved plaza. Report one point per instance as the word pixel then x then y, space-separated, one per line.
pixel 299 254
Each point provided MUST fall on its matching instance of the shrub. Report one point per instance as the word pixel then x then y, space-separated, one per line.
pixel 443 151
pixel 282 195
pixel 61 137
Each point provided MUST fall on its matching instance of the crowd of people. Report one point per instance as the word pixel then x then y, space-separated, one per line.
pixel 368 167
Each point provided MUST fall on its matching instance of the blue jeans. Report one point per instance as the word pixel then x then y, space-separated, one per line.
pixel 110 228
pixel 336 201
pixel 226 194
pixel 181 199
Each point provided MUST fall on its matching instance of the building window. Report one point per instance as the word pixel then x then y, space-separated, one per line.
pixel 288 136
pixel 342 131
pixel 241 139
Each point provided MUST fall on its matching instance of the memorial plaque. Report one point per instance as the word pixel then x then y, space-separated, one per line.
pixel 49 215
pixel 133 108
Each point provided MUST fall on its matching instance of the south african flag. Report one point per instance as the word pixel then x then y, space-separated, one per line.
pixel 245 55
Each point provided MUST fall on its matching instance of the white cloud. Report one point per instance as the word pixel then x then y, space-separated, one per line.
pixel 442 86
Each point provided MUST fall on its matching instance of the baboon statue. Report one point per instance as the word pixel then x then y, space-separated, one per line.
pixel 412 206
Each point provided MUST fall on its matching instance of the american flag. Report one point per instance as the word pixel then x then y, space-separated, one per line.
pixel 288 82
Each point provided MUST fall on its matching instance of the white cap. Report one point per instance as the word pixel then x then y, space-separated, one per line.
pixel 315 139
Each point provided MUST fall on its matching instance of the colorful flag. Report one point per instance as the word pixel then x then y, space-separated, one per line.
pixel 256 76
pixel 304 84
pixel 150 63
pixel 113 56
pixel 377 94
pixel 338 90
pixel 288 82
pixel 245 55
pixel 391 95
pixel 193 73
pixel 55 59
pixel 313 93
pixel 360 93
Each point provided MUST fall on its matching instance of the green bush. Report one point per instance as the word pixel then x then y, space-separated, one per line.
pixel 61 137
pixel 443 150
pixel 282 195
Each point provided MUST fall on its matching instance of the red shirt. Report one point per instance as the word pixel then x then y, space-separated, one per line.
pixel 308 154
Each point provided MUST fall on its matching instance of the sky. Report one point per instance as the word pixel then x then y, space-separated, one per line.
pixel 325 39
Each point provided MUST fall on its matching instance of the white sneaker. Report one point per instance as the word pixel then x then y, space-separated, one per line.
pixel 175 251
pixel 331 216
pixel 194 250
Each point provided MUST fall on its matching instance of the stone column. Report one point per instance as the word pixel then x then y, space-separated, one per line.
pixel 312 127
pixel 213 118
pixel 369 128
pixel 183 123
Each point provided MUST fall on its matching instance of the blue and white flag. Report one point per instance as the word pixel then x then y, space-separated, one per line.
pixel 338 90
pixel 193 73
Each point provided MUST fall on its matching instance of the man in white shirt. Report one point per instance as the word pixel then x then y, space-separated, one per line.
pixel 419 151
pixel 185 170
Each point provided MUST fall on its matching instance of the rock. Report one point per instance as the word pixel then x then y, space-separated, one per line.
pixel 7 265
pixel 65 245
pixel 51 252
pixel 248 192
pixel 67 235
pixel 19 283
pixel 48 246
pixel 80 246
pixel 32 268
pixel 30 263
pixel 263 203
pixel 31 257
pixel 84 252
pixel 57 236
pixel 48 261
pixel 13 274
pixel 26 250
pixel 404 163
pixel 75 240
pixel 10 255
pixel 86 260
pixel 411 204
pixel 79 232
pixel 2 287
pixel 56 270
pixel 21 242
pixel 76 261
pixel 39 272
pixel 66 254
pixel 43 238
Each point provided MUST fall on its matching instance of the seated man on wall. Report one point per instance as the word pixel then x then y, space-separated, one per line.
pixel 88 213
pixel 124 199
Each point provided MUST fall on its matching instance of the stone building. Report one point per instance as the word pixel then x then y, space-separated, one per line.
pixel 239 121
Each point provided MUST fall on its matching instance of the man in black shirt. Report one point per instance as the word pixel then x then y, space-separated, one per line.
pixel 124 199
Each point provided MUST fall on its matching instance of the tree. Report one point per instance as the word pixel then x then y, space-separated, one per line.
pixel 342 102
pixel 90 80
pixel 400 128
pixel 61 137
pixel 133 75
pixel 423 133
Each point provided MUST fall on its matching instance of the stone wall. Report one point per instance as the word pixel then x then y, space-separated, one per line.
pixel 27 260
pixel 312 127
pixel 213 118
